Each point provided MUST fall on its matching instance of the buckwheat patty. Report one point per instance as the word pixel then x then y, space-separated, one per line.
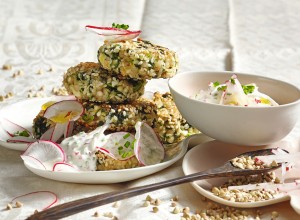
pixel 160 113
pixel 138 59
pixel 88 81
pixel 170 126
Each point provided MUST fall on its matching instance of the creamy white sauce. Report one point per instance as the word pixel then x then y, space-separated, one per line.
pixel 232 93
pixel 80 149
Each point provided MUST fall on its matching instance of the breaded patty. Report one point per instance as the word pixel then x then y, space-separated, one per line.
pixel 169 124
pixel 138 59
pixel 160 113
pixel 88 81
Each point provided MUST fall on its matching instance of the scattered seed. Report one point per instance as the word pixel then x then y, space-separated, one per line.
pixel 9 206
pixel 176 210
pixel 274 214
pixel 2 98
pixel 157 202
pixel 19 204
pixel 175 199
pixel 146 204
pixel 7 67
pixel 40 72
pixel 186 210
pixel 50 69
pixel 148 198
pixel 108 214
pixel 115 218
pixel 116 204
pixel 96 214
pixel 155 209
pixel 173 204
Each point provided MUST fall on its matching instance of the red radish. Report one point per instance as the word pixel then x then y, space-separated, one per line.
pixel 47 135
pixel 64 111
pixel 61 166
pixel 113 34
pixel 33 162
pixel 148 149
pixel 45 151
pixel 21 139
pixel 39 200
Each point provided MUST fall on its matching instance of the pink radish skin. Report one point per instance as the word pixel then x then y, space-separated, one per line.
pixel 61 166
pixel 47 135
pixel 21 139
pixel 32 161
pixel 48 147
pixel 39 197
pixel 143 149
pixel 65 105
pixel 113 34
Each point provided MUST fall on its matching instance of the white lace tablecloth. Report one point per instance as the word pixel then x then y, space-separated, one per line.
pixel 41 39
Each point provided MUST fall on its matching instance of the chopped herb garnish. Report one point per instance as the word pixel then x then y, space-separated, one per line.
pixel 120 26
pixel 248 89
pixel 22 133
pixel 127 144
pixel 232 81
pixel 216 84
pixel 222 88
pixel 126 136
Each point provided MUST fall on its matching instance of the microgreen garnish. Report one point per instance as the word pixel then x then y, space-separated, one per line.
pixel 120 26
pixel 232 81
pixel 248 89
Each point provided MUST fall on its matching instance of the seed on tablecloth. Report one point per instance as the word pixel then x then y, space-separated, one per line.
pixel 9 206
pixel 7 67
pixel 19 204
pixel 155 209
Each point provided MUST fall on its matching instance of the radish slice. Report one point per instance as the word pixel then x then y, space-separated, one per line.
pixel 69 129
pixel 39 200
pixel 58 131
pixel 119 145
pixel 46 152
pixel 21 139
pixel 61 166
pixel 113 34
pixel 64 111
pixel 33 162
pixel 14 130
pixel 47 135
pixel 148 149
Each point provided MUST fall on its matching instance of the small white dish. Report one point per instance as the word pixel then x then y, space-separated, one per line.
pixel 112 176
pixel 215 153
pixel 23 113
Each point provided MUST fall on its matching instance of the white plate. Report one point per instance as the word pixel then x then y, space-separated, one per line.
pixel 23 113
pixel 113 176
pixel 213 154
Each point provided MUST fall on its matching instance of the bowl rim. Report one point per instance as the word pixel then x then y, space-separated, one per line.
pixel 172 89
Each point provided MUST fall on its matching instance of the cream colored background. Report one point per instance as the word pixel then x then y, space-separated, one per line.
pixel 257 36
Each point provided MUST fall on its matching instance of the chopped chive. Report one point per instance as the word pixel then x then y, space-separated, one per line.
pixel 120 148
pixel 127 144
pixel 126 136
pixel 216 84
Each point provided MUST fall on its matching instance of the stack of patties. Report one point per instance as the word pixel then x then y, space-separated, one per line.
pixel 114 86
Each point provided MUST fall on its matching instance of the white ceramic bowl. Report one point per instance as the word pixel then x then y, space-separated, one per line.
pixel 233 124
